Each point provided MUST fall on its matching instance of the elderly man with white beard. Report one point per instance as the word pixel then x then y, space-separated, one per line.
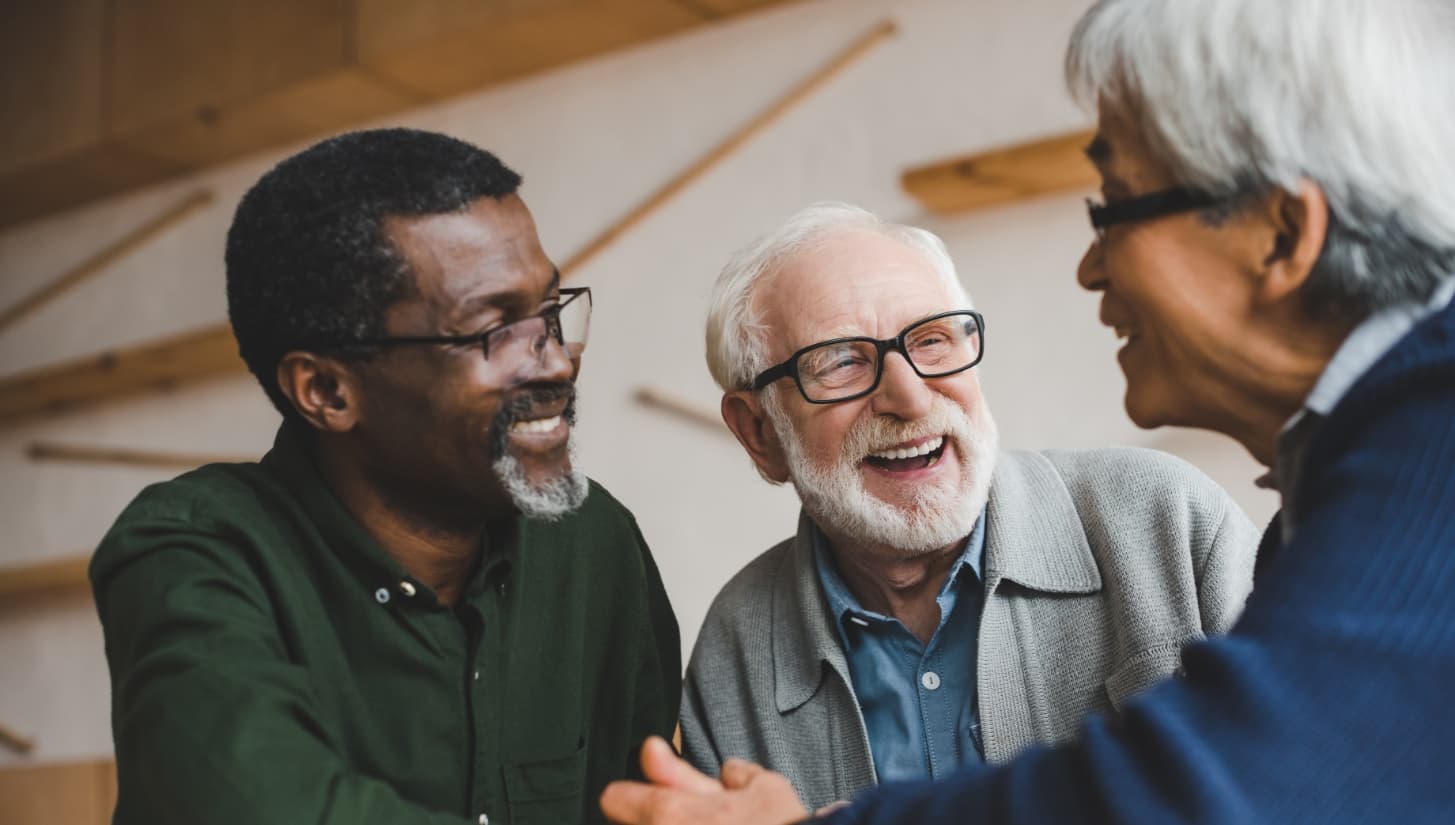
pixel 942 603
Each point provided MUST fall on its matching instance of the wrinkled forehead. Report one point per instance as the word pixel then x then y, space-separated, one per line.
pixel 857 283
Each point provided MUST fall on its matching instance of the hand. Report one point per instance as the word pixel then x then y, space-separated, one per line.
pixel 748 794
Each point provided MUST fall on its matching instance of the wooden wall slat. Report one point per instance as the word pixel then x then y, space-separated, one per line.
pixel 70 793
pixel 1003 175
pixel 162 364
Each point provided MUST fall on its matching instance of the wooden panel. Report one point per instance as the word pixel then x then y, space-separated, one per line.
pixel 50 79
pixel 176 59
pixel 163 364
pixel 297 112
pixel 46 579
pixel 1038 167
pixel 471 51
pixel 77 178
pixel 73 793
pixel 388 26
pixel 185 84
pixel 726 8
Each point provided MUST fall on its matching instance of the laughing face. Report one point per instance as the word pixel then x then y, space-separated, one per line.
pixel 907 467
pixel 1178 290
pixel 448 430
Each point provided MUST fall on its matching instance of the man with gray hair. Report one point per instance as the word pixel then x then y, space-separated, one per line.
pixel 942 604
pixel 1277 248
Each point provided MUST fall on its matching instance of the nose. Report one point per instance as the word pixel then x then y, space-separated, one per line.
pixel 901 392
pixel 542 359
pixel 1090 273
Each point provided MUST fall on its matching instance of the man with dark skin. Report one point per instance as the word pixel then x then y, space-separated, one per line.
pixel 414 609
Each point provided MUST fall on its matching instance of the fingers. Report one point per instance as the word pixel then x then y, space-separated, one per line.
pixel 661 765
pixel 630 803
pixel 739 772
pixel 830 808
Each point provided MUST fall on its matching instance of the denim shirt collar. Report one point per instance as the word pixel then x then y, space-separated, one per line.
pixel 843 606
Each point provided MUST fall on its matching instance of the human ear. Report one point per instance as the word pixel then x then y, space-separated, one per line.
pixel 323 390
pixel 743 413
pixel 1300 225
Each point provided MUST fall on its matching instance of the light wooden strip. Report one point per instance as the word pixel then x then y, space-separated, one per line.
pixel 161 364
pixel 14 741
pixel 114 252
pixel 718 153
pixel 1011 173
pixel 46 451
pixel 64 793
pixel 47 578
pixel 685 410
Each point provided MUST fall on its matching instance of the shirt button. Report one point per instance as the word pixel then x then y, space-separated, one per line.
pixel 931 680
pixel 381 595
pixel 406 588
pixel 477 675
pixel 484 819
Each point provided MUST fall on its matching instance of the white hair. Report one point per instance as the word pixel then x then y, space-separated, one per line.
pixel 1242 96
pixel 736 340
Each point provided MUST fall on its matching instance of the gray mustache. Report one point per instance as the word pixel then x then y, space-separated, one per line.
pixel 521 403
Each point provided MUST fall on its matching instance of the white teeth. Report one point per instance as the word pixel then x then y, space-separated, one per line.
pixel 911 452
pixel 539 425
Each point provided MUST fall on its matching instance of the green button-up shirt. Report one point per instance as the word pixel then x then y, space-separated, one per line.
pixel 270 663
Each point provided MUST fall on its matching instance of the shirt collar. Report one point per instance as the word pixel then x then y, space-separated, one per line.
pixel 291 461
pixel 841 601
pixel 1360 351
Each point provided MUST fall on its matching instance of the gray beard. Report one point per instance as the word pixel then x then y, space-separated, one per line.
pixel 939 515
pixel 549 500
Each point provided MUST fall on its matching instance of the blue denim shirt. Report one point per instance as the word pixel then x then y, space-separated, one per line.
pixel 918 701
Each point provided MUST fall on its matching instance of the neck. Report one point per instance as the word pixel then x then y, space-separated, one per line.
pixel 439 552
pixel 1279 375
pixel 885 581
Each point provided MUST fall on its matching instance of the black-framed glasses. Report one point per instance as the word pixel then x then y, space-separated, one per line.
pixel 1146 207
pixel 843 369
pixel 568 322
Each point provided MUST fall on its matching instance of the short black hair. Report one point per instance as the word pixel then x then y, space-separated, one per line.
pixel 308 262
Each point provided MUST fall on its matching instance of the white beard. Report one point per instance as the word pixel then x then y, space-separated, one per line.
pixel 940 514
pixel 549 500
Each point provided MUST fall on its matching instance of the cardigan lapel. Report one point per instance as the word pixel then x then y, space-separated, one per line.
pixel 803 632
pixel 1033 534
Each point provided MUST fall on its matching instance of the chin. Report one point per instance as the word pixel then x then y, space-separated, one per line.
pixel 1147 413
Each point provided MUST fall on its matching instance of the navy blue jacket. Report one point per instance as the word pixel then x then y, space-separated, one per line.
pixel 1333 698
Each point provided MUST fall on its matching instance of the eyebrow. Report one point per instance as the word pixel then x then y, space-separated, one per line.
pixel 503 298
pixel 1098 151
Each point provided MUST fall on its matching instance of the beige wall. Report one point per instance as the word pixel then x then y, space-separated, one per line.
pixel 591 140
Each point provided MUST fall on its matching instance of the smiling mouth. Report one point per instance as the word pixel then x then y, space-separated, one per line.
pixel 536 425
pixel 904 459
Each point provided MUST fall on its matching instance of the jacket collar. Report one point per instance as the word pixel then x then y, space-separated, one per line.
pixel 1033 537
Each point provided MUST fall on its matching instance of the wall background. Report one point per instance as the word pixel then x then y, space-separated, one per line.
pixel 592 140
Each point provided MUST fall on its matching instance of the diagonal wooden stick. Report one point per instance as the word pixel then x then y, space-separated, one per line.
pixel 881 32
pixel 14 741
pixel 44 451
pixel 131 242
pixel 685 410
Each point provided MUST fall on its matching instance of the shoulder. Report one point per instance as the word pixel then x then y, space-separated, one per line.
pixel 209 503
pixel 744 605
pixel 1129 499
pixel 1136 479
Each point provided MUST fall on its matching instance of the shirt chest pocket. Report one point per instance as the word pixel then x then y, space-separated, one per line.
pixel 548 791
